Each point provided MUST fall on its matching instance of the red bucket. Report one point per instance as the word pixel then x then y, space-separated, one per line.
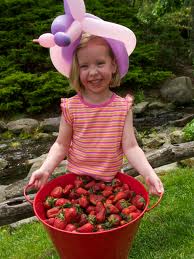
pixel 109 244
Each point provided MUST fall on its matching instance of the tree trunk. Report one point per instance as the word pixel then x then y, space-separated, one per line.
pixel 14 210
pixel 167 155
pixel 192 32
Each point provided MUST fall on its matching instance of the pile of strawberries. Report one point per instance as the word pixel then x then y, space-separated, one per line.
pixel 89 205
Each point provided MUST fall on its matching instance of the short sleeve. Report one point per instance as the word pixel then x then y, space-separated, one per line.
pixel 66 111
pixel 129 100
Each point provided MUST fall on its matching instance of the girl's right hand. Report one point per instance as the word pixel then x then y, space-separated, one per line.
pixel 39 178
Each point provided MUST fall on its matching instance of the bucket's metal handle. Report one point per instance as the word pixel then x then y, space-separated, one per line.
pixel 25 195
pixel 156 204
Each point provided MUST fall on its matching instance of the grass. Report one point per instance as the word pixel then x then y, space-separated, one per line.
pixel 166 232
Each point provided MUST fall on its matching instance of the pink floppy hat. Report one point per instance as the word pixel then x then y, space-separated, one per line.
pixel 66 34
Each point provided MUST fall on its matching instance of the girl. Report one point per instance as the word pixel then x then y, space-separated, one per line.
pixel 96 126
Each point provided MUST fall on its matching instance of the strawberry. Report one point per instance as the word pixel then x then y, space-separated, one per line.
pixel 121 195
pixel 138 201
pixel 73 195
pixel 121 204
pixel 135 214
pixel 99 206
pixel 94 198
pixel 106 193
pixel 101 215
pixel 108 202
pixel 83 219
pixel 116 182
pixel 67 189
pixel 89 185
pixel 125 186
pixel 57 192
pixel 86 228
pixel 128 210
pixel 78 182
pixel 62 202
pixel 90 208
pixel 49 202
pixel 59 222
pixel 70 227
pixel 53 212
pixel 114 219
pixel 71 214
pixel 111 209
pixel 50 221
pixel 99 228
pixel 123 222
pixel 83 201
pixel 81 191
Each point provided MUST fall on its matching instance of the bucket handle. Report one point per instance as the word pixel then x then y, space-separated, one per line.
pixel 156 204
pixel 25 195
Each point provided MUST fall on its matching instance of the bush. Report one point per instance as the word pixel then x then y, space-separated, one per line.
pixel 188 131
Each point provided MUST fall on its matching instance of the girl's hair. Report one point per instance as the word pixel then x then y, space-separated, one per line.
pixel 74 73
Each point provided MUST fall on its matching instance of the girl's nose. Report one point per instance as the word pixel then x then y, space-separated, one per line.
pixel 93 70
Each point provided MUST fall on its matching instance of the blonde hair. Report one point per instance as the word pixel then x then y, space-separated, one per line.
pixel 74 73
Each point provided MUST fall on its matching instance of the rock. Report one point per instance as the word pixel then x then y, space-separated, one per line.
pixel 156 105
pixel 2 193
pixel 23 125
pixel 154 141
pixel 177 137
pixel 50 124
pixel 178 90
pixel 3 163
pixel 183 121
pixel 188 162
pixel 59 170
pixel 166 168
pixel 23 221
pixel 41 135
pixel 140 107
pixel 16 189
pixel 3 126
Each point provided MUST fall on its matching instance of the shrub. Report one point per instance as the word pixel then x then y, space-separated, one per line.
pixel 188 131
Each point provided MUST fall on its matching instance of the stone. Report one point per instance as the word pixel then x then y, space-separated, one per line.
pixel 23 125
pixel 17 224
pixel 50 124
pixel 166 168
pixel 178 90
pixel 2 193
pixel 16 189
pixel 3 126
pixel 140 107
pixel 177 137
pixel 3 163
pixel 188 162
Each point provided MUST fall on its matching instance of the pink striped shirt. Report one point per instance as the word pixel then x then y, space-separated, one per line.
pixel 96 147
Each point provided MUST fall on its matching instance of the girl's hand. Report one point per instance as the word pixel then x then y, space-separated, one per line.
pixel 155 185
pixel 39 178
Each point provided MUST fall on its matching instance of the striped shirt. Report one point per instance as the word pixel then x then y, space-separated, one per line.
pixel 96 146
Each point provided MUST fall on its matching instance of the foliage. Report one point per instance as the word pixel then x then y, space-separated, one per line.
pixel 29 82
pixel 164 232
pixel 188 131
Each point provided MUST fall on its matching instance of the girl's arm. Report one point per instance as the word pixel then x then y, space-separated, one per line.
pixel 137 158
pixel 57 153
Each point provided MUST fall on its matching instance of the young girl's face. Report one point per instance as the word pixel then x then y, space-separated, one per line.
pixel 96 66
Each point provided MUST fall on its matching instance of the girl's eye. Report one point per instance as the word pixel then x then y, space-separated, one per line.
pixel 83 66
pixel 100 63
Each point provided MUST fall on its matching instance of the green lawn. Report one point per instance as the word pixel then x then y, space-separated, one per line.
pixel 166 232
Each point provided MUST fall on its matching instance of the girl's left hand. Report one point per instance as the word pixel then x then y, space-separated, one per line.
pixel 155 185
